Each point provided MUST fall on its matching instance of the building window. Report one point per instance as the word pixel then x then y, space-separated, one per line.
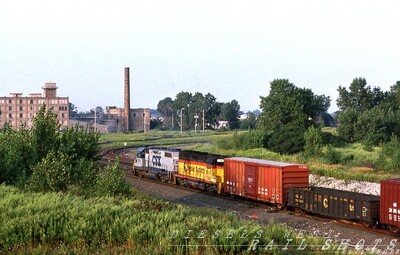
pixel 20 115
pixel 31 101
pixel 10 108
pixel 63 115
pixel 20 108
pixel 134 115
pixel 9 101
pixel 10 115
pixel 144 114
pixel 31 108
pixel 20 101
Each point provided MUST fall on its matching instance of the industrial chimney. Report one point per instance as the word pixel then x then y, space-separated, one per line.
pixel 127 102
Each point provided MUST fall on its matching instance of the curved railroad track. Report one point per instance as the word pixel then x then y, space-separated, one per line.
pixel 125 163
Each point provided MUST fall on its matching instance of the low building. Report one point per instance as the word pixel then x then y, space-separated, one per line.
pixel 18 109
pixel 139 119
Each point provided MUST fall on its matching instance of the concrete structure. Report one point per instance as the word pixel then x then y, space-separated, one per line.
pixel 17 109
pixel 127 119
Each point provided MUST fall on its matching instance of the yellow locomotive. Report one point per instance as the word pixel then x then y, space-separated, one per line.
pixel 200 170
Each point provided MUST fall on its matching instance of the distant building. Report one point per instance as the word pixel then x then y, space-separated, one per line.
pixel 17 109
pixel 115 118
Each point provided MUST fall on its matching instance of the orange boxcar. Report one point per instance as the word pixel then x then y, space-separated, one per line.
pixel 263 180
pixel 390 204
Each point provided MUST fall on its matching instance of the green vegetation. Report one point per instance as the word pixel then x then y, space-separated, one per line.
pixel 62 223
pixel 44 159
pixel 159 138
pixel 369 116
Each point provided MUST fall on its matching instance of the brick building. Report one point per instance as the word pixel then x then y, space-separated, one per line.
pixel 17 109
pixel 139 119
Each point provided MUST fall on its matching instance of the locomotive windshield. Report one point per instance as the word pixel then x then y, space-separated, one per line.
pixel 140 152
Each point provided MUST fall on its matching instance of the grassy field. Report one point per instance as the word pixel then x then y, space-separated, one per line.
pixel 56 223
pixel 159 138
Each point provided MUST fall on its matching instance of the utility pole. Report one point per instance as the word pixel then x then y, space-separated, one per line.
pixel 203 121
pixel 195 123
pixel 181 122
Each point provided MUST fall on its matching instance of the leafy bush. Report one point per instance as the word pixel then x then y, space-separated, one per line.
pixel 332 156
pixel 51 174
pixel 16 155
pixel 287 140
pixel 313 142
pixel 389 156
pixel 333 139
pixel 111 182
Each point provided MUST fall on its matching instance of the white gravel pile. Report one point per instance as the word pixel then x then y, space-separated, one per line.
pixel 354 186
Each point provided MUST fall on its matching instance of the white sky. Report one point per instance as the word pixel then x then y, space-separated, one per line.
pixel 232 49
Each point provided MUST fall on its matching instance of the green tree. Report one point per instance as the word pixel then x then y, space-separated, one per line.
pixel 164 107
pixel 347 120
pixel 288 105
pixel 359 96
pixel 212 110
pixel 182 102
pixel 73 112
pixel 230 112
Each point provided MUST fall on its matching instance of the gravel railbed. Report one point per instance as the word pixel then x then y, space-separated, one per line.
pixel 325 228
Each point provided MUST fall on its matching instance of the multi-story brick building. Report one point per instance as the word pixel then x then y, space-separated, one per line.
pixel 17 109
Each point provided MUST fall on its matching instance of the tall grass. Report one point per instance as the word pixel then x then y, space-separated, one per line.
pixel 56 223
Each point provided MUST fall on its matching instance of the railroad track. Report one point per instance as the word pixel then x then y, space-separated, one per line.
pixel 125 163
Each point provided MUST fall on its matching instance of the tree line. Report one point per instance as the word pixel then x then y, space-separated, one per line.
pixel 192 107
pixel 368 115
pixel 292 118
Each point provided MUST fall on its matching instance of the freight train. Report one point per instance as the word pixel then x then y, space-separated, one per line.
pixel 278 183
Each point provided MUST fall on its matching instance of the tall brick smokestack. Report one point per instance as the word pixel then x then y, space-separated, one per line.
pixel 127 101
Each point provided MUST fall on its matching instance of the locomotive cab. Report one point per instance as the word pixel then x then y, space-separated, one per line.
pixel 156 163
pixel 140 162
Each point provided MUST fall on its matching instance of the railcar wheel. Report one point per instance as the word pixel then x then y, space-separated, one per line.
pixel 394 229
pixel 367 224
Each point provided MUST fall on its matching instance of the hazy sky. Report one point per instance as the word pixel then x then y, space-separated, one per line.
pixel 232 49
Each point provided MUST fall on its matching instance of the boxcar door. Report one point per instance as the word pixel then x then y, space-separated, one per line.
pixel 250 188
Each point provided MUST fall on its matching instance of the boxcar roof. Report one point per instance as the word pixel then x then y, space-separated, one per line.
pixel 265 162
pixel 394 180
